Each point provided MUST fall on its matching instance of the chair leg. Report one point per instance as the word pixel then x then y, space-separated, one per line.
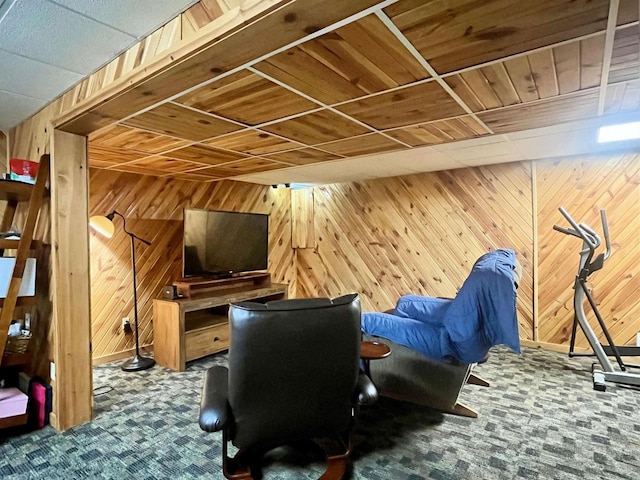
pixel 337 453
pixel 476 380
pixel 235 468
pixel 461 410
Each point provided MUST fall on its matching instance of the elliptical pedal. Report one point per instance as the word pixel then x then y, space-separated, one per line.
pixel 598 379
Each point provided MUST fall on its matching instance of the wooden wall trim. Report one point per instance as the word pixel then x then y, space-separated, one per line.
pixel 73 387
pixel 534 225
pixel 302 229
pixel 4 152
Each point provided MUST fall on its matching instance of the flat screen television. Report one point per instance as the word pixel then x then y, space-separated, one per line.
pixel 223 243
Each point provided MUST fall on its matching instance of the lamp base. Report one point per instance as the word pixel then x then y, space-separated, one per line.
pixel 138 363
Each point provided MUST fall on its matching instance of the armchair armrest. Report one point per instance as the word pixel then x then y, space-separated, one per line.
pixel 366 391
pixel 214 409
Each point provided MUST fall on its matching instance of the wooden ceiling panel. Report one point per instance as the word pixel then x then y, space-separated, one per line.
pixel 319 127
pixel 253 142
pixel 411 105
pixel 305 156
pixel 200 15
pixel 140 170
pixel 622 98
pixel 93 163
pixel 165 164
pixel 516 64
pixel 194 177
pixel 625 61
pixel 444 131
pixel 111 155
pixel 363 145
pixel 460 34
pixel 177 121
pixel 248 98
pixel 204 154
pixel 543 113
pixel 241 167
pixel 547 73
pixel 358 59
pixel 244 35
pixel 133 139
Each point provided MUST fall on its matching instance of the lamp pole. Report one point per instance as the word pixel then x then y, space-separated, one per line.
pixel 138 362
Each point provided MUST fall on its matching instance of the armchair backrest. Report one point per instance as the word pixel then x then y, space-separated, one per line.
pixel 293 369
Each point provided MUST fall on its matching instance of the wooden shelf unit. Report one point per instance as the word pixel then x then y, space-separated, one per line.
pixel 189 328
pixel 14 192
pixel 14 421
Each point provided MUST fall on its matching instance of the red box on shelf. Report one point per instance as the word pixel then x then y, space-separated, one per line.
pixel 23 170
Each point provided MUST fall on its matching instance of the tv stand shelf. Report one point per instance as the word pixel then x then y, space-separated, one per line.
pixel 185 329
pixel 188 287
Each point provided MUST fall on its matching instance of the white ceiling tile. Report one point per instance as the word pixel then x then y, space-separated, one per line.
pixel 544 131
pixel 14 108
pixel 471 142
pixel 504 158
pixel 52 34
pixel 32 78
pixel 136 18
pixel 422 159
pixel 288 175
pixel 566 144
pixel 481 151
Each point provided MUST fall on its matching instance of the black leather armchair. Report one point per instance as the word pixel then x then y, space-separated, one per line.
pixel 293 374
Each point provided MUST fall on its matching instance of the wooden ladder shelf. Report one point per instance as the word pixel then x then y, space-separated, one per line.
pixel 14 193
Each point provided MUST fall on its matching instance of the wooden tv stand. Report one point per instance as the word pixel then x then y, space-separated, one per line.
pixel 185 329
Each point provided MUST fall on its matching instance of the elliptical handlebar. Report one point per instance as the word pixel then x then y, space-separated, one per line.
pixel 566 231
pixel 592 234
pixel 591 242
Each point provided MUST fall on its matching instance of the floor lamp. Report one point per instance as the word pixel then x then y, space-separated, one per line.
pixel 104 226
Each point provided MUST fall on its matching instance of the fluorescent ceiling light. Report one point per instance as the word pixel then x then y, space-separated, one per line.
pixel 619 132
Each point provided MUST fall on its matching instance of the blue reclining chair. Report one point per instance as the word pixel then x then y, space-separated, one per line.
pixel 436 342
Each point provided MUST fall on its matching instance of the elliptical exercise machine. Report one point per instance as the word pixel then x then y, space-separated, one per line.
pixel 590 242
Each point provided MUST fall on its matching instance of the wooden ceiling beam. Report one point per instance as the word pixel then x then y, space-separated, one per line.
pixel 217 51
pixel 608 52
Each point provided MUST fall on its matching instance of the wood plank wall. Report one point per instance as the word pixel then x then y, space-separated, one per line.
pixel 4 161
pixel 583 186
pixel 32 138
pixel 418 234
pixel 153 208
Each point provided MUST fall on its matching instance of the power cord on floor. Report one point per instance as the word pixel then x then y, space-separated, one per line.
pixel 102 390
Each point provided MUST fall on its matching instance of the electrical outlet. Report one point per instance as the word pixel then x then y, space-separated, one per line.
pixel 126 324
pixel 638 339
pixel 52 370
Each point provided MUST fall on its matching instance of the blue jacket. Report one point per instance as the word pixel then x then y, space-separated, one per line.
pixel 482 315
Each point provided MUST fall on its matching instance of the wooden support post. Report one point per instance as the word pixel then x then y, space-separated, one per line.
pixel 70 283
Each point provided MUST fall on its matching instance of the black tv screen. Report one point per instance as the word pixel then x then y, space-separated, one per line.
pixel 222 243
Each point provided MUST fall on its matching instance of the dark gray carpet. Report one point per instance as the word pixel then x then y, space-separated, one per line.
pixel 540 419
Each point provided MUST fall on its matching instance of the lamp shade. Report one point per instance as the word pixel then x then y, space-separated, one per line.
pixel 102 225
